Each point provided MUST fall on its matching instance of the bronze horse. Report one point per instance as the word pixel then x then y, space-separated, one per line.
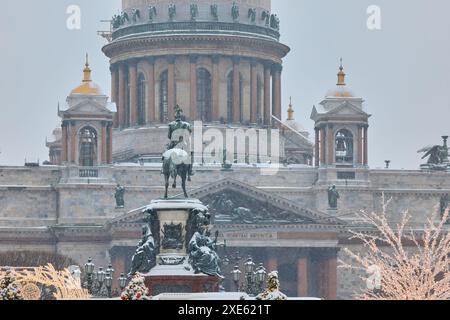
pixel 176 162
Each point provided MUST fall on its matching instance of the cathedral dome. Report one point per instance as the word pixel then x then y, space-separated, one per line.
pixel 87 87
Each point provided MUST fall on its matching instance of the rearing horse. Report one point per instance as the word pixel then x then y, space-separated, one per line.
pixel 176 162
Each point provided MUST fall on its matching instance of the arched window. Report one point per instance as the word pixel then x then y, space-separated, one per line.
pixel 230 95
pixel 88 147
pixel 141 99
pixel 164 97
pixel 259 93
pixel 204 97
pixel 344 146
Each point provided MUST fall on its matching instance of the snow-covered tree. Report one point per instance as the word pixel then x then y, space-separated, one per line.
pixel 402 263
pixel 9 288
pixel 136 289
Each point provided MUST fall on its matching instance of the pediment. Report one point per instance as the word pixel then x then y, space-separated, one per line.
pixel 347 108
pixel 88 107
pixel 232 202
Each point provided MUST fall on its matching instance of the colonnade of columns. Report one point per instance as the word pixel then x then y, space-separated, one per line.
pixel 124 92
pixel 325 142
pixel 71 142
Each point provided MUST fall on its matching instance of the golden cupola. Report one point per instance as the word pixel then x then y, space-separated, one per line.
pixel 87 87
pixel 291 122
pixel 341 90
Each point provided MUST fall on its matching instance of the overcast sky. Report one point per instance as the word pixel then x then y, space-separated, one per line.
pixel 402 71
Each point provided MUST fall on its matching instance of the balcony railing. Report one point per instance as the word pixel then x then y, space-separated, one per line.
pixel 88 173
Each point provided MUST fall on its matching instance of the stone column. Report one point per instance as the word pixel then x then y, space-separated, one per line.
pixel 114 91
pixel 254 91
pixel 171 88
pixel 366 145
pixel 150 68
pixel 302 277
pixel 122 95
pixel 276 88
pixel 73 142
pixel 331 268
pixel 110 137
pixel 104 144
pixel 193 86
pixel 272 264
pixel 360 145
pixel 215 88
pixel 317 147
pixel 133 92
pixel 267 102
pixel 322 145
pixel 330 144
pixel 236 91
pixel 64 141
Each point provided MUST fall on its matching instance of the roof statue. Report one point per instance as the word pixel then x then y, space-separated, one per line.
pixel 438 157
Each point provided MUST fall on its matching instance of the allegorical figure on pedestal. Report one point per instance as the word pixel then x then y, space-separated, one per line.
pixel 177 159
pixel 202 254
pixel 202 250
pixel 145 257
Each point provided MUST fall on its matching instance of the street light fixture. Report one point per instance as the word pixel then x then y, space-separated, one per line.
pixel 101 275
pixel 97 281
pixel 236 273
pixel 122 281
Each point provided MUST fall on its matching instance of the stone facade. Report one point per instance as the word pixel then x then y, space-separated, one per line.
pixel 282 220
pixel 53 209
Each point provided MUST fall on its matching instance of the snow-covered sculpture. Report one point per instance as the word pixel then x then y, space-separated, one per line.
pixel 273 289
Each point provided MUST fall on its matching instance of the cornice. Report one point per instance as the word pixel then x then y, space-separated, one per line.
pixel 196 44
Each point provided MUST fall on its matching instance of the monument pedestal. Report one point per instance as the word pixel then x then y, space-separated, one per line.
pixel 173 272
pixel 176 279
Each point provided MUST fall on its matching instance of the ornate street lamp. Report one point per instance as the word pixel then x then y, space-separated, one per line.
pixel 122 281
pixel 261 275
pixel 249 266
pixel 101 276
pixel 236 273
pixel 89 269
pixel 108 284
pixel 110 271
pixel 97 281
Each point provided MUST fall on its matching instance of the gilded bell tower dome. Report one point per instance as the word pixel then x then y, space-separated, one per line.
pixel 87 87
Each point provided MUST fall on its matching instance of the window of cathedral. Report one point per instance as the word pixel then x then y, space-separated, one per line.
pixel 142 86
pixel 164 97
pixel 204 97
pixel 88 147
pixel 344 146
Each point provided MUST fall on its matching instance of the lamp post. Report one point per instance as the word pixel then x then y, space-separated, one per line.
pixel 96 281
pixel 236 273
pixel 254 277
pixel 122 281
pixel 89 269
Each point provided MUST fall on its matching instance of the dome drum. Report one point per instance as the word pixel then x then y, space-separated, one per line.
pixel 158 17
